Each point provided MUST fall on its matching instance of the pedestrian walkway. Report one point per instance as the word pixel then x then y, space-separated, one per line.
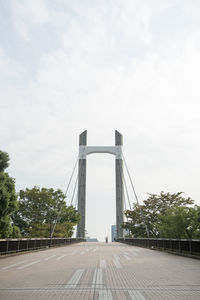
pixel 99 271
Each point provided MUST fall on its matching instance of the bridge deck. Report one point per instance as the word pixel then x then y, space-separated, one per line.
pixel 99 271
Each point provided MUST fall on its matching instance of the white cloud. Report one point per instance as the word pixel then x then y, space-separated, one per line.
pixel 112 68
pixel 27 13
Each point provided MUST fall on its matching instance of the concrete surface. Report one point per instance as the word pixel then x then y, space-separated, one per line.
pixel 99 271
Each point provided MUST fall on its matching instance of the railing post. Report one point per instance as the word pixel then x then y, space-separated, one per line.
pixel 7 245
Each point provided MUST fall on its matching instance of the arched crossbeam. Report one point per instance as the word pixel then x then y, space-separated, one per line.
pixel 86 150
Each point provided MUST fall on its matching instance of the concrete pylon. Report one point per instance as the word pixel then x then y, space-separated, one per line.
pixel 85 150
pixel 119 187
pixel 82 187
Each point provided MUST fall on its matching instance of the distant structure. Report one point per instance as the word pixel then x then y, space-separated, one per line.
pixel 85 150
pixel 113 232
pixel 88 239
pixel 126 232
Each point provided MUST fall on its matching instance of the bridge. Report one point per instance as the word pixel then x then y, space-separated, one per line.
pixel 103 271
pixel 122 193
pixel 99 271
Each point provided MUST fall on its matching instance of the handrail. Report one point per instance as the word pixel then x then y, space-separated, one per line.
pixel 189 247
pixel 9 246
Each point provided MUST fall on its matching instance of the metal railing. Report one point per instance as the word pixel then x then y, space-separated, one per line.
pixel 9 246
pixel 179 246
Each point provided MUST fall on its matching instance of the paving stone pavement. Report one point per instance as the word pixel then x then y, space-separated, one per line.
pixel 99 271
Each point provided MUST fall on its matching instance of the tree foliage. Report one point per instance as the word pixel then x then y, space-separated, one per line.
pixel 180 222
pixel 39 210
pixel 8 199
pixel 166 215
pixel 4 161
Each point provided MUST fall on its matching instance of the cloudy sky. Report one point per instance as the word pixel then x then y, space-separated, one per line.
pixel 130 65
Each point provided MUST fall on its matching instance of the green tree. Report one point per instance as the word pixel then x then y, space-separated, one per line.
pixel 4 161
pixel 150 212
pixel 39 210
pixel 67 220
pixel 135 223
pixel 180 222
pixel 8 199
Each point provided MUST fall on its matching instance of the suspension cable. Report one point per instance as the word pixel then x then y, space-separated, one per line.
pixel 136 197
pixel 127 193
pixel 142 215
pixel 76 204
pixel 74 190
pixel 65 194
pixel 71 177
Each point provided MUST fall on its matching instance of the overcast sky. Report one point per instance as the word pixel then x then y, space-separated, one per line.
pixel 130 65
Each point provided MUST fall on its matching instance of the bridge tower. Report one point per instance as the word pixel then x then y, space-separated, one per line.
pixel 85 150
